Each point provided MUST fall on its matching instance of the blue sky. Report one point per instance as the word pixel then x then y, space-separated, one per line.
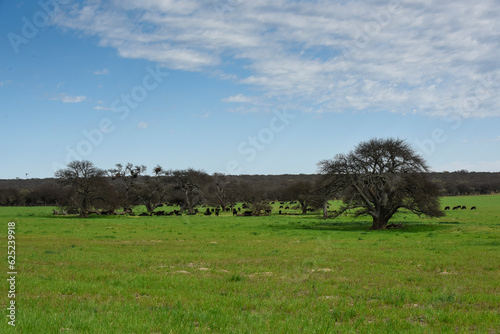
pixel 261 87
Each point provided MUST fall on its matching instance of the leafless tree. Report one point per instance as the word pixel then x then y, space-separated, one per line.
pixel 224 191
pixel 152 190
pixel 191 184
pixel 302 192
pixel 86 184
pixel 125 178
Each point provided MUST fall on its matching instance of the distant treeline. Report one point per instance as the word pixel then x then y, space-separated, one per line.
pixel 50 192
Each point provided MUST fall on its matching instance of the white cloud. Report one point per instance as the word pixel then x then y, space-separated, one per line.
pixel 103 108
pixel 5 83
pixel 433 57
pixel 142 125
pixel 102 72
pixel 64 98
pixel 239 98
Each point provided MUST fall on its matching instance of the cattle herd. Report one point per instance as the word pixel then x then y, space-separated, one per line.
pixel 460 207
pixel 215 211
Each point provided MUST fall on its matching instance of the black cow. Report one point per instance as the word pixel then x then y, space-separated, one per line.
pixel 473 208
pixel 447 208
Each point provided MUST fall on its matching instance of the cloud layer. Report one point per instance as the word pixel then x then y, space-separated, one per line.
pixel 431 57
pixel 64 98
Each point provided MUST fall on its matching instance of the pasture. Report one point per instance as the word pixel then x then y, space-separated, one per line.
pixel 269 274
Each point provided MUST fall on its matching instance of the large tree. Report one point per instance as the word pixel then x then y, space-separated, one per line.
pixel 380 177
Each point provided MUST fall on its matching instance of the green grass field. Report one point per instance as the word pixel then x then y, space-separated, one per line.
pixel 273 274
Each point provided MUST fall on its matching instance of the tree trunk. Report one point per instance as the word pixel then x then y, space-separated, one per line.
pixel 83 212
pixel 303 205
pixel 188 202
pixel 150 208
pixel 325 210
pixel 379 223
pixel 83 209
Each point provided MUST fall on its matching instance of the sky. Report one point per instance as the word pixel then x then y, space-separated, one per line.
pixel 246 87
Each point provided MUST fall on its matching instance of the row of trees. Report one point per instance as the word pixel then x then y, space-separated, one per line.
pixel 378 178
pixel 88 188
pixel 44 192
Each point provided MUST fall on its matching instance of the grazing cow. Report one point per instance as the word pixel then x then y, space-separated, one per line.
pixel 464 207
pixel 473 208
pixel 281 207
pixel 235 213
pixel 247 213
pixel 455 207
pixel 447 208
pixel 208 212
pixel 287 207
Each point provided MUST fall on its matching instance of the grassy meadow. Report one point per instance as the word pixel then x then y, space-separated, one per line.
pixel 270 274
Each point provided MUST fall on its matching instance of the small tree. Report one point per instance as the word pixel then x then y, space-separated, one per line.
pixel 325 189
pixel 191 184
pixel 86 185
pixel 223 191
pixel 152 191
pixel 381 177
pixel 302 192
pixel 125 179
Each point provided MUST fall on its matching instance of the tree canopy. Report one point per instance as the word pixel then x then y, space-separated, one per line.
pixel 380 177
